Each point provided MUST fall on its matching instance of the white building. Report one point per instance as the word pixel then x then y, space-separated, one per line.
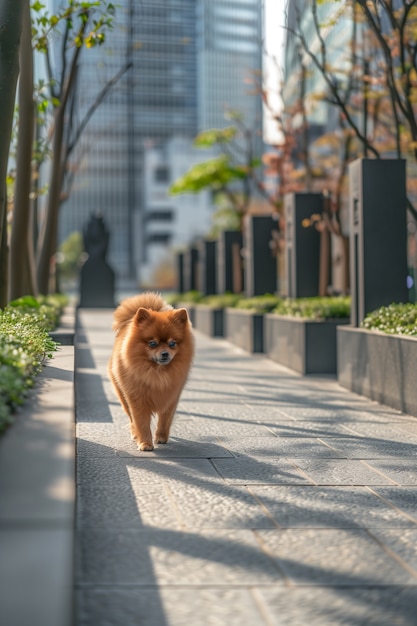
pixel 171 222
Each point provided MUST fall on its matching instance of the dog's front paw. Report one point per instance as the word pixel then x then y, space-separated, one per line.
pixel 145 446
pixel 161 438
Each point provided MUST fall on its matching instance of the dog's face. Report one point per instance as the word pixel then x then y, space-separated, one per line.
pixel 161 333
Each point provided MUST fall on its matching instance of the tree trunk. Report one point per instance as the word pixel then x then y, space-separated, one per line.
pixel 48 239
pixel 10 30
pixel 4 260
pixel 49 234
pixel 325 262
pixel 22 270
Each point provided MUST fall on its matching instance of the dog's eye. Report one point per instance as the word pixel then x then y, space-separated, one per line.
pixel 172 343
pixel 152 343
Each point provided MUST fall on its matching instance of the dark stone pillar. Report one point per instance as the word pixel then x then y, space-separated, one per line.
pixel 229 262
pixel 191 269
pixel 378 235
pixel 97 278
pixel 260 261
pixel 207 267
pixel 302 244
pixel 180 272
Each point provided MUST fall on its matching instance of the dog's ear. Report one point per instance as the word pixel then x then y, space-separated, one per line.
pixel 142 315
pixel 180 316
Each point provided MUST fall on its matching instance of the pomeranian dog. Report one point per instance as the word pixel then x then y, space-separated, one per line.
pixel 150 362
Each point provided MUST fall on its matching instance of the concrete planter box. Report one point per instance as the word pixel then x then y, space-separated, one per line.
pixel 306 346
pixel 245 329
pixel 209 320
pixel 379 366
pixel 64 334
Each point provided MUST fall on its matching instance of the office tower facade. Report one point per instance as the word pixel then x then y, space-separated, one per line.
pixel 229 61
pixel 189 61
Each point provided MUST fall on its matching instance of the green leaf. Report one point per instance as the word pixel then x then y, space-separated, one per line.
pixel 37 6
pixel 215 136
pixel 29 301
pixel 212 174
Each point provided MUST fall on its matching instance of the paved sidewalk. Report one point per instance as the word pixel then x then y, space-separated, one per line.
pixel 279 500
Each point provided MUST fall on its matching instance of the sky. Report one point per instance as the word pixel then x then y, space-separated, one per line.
pixel 274 40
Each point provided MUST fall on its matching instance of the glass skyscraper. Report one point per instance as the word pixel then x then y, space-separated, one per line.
pixel 189 61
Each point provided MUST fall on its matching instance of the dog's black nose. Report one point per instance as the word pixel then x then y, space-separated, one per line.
pixel 164 356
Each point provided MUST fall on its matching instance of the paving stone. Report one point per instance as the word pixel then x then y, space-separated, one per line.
pixel 404 498
pixel 105 446
pixel 96 470
pixel 217 505
pixel 120 506
pixel 169 607
pixel 343 413
pixel 168 557
pixel 302 411
pixel 272 447
pixel 253 471
pixel 310 429
pixel 93 431
pixel 181 448
pixel 340 472
pixel 338 606
pixel 409 427
pixel 224 427
pixel 334 557
pixel 385 431
pixel 114 470
pixel 403 542
pixel 122 445
pixel 401 471
pixel 372 448
pixel 327 507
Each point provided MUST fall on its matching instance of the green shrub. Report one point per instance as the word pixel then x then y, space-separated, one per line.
pixel 24 345
pixel 318 308
pixel 221 301
pixel 394 319
pixel 259 304
pixel 190 297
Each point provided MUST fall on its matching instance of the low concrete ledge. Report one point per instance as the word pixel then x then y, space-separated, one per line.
pixel 66 331
pixel 37 496
pixel 379 366
pixel 245 329
pixel 303 345
pixel 209 320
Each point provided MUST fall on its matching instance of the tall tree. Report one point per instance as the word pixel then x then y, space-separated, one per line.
pixel 22 262
pixel 11 12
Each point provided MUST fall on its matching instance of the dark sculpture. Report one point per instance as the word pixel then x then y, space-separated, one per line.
pixel 96 277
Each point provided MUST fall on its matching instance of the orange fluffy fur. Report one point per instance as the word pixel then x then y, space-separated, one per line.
pixel 150 362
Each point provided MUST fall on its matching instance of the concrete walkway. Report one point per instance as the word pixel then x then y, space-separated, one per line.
pixel 280 500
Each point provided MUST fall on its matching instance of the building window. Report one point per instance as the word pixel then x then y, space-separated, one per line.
pixel 162 174
pixel 159 238
pixel 164 215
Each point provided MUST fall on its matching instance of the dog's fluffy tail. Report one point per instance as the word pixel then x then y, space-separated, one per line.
pixel 127 308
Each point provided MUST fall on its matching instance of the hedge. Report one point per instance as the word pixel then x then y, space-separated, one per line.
pixel 394 319
pixel 24 345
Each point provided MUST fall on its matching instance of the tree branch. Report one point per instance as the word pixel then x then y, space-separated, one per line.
pixel 94 106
